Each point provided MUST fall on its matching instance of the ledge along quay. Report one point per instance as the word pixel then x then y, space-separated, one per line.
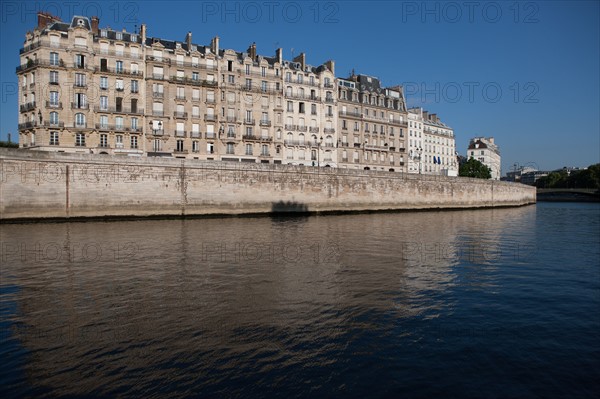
pixel 39 185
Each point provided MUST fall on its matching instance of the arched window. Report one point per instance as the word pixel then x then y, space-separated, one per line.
pixel 54 118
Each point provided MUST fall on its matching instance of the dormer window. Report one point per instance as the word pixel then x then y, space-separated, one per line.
pixel 80 22
pixel 119 36
pixel 134 38
pixel 103 33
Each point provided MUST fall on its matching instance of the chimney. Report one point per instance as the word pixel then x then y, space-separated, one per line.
pixel 279 55
pixel 331 66
pixel 252 51
pixel 188 40
pixel 143 33
pixel 45 19
pixel 491 140
pixel 95 23
pixel 301 58
pixel 425 115
pixel 214 45
pixel 433 117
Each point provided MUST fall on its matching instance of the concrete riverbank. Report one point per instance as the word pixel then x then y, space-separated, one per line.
pixel 40 185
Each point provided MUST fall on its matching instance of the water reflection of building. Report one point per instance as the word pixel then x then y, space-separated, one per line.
pixel 225 294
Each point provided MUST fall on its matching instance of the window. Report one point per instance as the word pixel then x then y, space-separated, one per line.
pixel 248 116
pixel 263 71
pixel 119 36
pixel 54 118
pixel 301 107
pixel 103 121
pixel 195 76
pixel 247 69
pixel 195 146
pixel 264 151
pixel 119 123
pixel 80 100
pixel 288 76
pixel 79 61
pixel 103 140
pixel 313 109
pixel 103 103
pixel 54 99
pixel 263 86
pixel 134 142
pixel 231 132
pixel 54 77
pixel 210 96
pixel 179 146
pixel 54 138
pixel 80 80
pixel 53 58
pixel 103 82
pixel 231 79
pixel 248 84
pixel 300 78
pixel 157 145
pixel 229 149
pixel 119 66
pixel 134 86
pixel 134 123
pixel 119 85
pixel 80 140
pixel 248 149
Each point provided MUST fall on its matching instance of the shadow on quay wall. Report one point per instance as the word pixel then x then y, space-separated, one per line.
pixel 288 207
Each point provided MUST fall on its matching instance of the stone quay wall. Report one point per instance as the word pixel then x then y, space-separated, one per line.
pixel 45 185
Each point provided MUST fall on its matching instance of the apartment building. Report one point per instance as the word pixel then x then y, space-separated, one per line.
pixel 432 145
pixel 372 124
pixel 485 150
pixel 98 90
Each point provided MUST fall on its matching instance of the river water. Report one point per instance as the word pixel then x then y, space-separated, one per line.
pixel 477 303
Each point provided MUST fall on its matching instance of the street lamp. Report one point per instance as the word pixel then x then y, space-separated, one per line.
pixel 159 124
pixel 419 152
pixel 319 151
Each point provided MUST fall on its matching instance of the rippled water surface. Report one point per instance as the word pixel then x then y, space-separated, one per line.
pixel 486 303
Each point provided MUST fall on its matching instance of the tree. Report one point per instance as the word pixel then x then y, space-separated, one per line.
pixel 474 168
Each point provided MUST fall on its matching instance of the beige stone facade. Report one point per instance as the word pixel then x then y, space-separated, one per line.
pixel 92 90
pixel 372 125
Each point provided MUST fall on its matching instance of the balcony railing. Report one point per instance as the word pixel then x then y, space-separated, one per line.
pixel 55 105
pixel 80 106
pixel 249 121
pixel 208 135
pixel 27 107
pixel 180 133
pixel 250 137
pixel 265 122
pixel 27 125
pixel 313 130
pixel 117 110
pixel 210 117
pixel 329 130
pixel 117 71
pixel 180 115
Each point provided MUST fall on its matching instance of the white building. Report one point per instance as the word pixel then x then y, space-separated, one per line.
pixel 487 152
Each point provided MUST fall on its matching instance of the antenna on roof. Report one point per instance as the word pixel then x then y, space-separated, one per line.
pixel 292 53
pixel 135 29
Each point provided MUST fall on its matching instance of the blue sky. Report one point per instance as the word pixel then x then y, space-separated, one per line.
pixel 526 73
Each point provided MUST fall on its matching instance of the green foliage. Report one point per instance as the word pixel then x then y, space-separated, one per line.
pixel 586 178
pixel 9 145
pixel 474 168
